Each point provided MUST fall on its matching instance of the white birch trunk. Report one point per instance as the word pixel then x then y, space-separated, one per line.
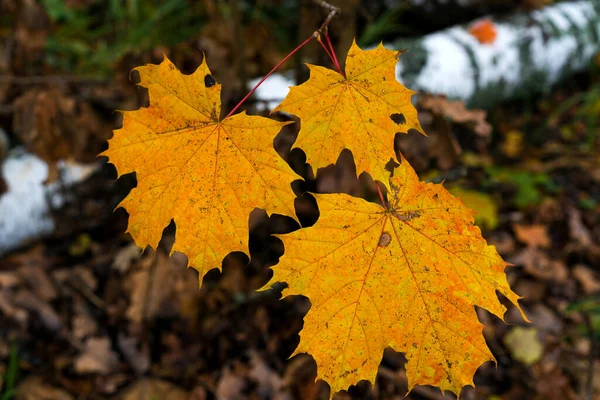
pixel 530 53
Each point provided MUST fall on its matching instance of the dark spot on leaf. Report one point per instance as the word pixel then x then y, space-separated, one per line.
pixel 398 118
pixel 406 216
pixel 385 239
pixel 209 81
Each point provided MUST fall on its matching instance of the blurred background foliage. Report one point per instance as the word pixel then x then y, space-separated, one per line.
pixel 90 36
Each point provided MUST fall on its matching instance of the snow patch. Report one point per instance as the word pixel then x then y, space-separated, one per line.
pixel 272 91
pixel 448 69
pixel 25 207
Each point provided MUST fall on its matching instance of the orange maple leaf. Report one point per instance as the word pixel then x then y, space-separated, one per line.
pixel 205 173
pixel 407 277
pixel 360 112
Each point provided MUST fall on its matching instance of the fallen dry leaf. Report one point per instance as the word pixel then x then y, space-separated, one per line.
pixel 524 345
pixel 9 309
pixel 125 257
pixel 150 389
pixel 139 359
pixel 503 242
pixel 457 112
pixel 300 377
pixel 587 279
pixel 39 282
pixel 551 382
pixel 531 289
pixel 161 287
pixel 230 386
pixel 9 279
pixel 97 357
pixel 34 388
pixel 577 228
pixel 538 264
pixel 533 235
pixel 269 383
pixel 545 320
pixel 47 314
pixel 83 323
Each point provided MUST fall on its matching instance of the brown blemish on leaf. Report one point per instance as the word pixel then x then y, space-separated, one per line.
pixel 406 216
pixel 385 239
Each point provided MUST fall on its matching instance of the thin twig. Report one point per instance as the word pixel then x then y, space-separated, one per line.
pixel 333 11
pixel 267 75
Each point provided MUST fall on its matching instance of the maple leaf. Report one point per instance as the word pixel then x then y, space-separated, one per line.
pixel 205 173
pixel 407 277
pixel 360 112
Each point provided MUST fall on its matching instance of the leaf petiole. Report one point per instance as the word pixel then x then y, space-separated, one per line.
pixel 269 74
pixel 334 58
pixel 326 49
pixel 317 34
pixel 381 196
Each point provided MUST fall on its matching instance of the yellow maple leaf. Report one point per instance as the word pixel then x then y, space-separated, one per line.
pixel 205 173
pixel 360 112
pixel 407 277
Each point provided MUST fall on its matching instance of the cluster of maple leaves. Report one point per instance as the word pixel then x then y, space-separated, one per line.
pixel 404 274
